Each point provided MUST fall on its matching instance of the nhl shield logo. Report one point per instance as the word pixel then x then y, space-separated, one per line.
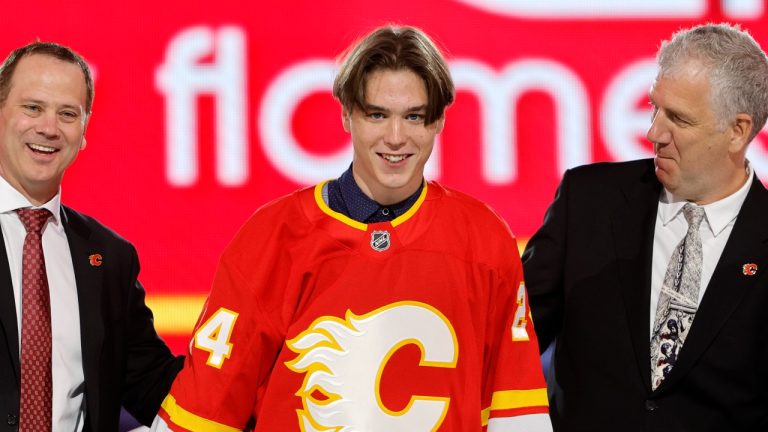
pixel 380 241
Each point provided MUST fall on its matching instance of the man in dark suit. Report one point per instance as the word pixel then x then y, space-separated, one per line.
pixel 659 309
pixel 76 338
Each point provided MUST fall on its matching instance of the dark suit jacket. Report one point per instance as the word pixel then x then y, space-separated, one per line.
pixel 588 273
pixel 124 361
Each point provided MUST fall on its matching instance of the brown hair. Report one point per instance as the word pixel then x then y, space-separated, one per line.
pixel 395 48
pixel 50 49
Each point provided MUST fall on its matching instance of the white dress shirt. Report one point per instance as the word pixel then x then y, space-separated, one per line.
pixel 671 226
pixel 67 359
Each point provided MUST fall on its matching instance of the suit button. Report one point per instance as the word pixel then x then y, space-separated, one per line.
pixel 12 420
pixel 650 405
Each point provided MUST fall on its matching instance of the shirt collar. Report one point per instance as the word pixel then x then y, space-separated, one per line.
pixel 11 199
pixel 718 214
pixel 363 208
pixel 359 205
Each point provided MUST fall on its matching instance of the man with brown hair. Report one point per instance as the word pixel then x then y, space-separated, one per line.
pixel 76 339
pixel 373 302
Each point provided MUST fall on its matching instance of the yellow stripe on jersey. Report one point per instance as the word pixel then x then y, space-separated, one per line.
pixel 511 399
pixel 359 225
pixel 334 214
pixel 187 420
pixel 411 211
pixel 485 415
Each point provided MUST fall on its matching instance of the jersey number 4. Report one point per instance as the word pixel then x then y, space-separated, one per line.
pixel 213 336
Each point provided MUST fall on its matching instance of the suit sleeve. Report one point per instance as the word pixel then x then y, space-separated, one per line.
pixel 544 261
pixel 150 365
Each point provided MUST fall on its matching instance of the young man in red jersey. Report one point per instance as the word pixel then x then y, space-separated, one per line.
pixel 373 302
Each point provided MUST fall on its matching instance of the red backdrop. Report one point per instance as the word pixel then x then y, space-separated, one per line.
pixel 206 110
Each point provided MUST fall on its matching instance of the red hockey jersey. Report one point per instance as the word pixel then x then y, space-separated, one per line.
pixel 316 322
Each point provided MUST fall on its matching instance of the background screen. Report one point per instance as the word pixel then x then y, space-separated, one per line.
pixel 205 111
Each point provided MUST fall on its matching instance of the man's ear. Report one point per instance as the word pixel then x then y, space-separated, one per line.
pixel 740 129
pixel 85 129
pixel 440 124
pixel 345 119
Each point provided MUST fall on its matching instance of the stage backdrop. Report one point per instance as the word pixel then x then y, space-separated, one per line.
pixel 205 110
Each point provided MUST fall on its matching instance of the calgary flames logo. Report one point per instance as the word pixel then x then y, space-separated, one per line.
pixel 749 269
pixel 95 260
pixel 343 361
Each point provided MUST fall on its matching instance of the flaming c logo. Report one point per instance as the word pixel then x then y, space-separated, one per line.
pixel 95 260
pixel 749 269
pixel 343 361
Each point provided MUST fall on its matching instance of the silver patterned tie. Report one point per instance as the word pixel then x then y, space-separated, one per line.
pixel 678 300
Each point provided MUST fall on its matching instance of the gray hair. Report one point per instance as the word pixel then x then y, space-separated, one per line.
pixel 736 65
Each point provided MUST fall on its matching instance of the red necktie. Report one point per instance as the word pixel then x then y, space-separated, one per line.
pixel 36 375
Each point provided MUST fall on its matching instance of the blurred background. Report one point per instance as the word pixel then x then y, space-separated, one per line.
pixel 206 110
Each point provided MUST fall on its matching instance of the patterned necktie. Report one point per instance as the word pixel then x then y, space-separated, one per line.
pixel 678 300
pixel 36 375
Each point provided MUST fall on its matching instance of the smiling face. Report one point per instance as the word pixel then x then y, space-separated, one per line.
pixel 390 139
pixel 42 125
pixel 696 158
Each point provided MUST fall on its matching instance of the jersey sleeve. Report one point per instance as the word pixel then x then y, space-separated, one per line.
pixel 514 392
pixel 236 339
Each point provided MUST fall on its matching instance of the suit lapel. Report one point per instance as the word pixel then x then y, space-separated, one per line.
pixel 8 319
pixel 88 278
pixel 729 284
pixel 633 226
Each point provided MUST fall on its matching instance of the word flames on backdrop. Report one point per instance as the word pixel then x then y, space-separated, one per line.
pixel 181 79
